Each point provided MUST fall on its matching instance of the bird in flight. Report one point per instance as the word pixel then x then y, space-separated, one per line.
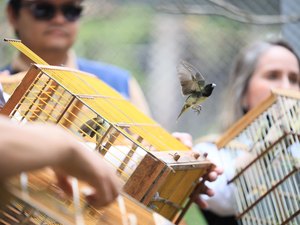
pixel 193 86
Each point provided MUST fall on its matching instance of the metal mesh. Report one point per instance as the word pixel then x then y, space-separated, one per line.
pixel 150 37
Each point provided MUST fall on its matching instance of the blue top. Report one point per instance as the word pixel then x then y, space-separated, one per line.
pixel 115 77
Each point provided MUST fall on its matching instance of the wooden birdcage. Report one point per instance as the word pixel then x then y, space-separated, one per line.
pixel 157 169
pixel 35 199
pixel 266 145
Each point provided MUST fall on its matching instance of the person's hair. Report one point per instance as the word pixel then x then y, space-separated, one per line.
pixel 15 6
pixel 241 72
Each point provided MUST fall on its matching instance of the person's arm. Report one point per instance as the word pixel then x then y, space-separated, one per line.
pixel 33 146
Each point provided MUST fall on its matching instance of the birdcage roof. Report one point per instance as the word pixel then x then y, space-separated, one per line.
pixel 98 97
pixel 242 123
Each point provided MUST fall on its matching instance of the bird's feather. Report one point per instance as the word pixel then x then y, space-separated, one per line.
pixel 92 127
pixel 193 85
pixel 184 108
pixel 190 78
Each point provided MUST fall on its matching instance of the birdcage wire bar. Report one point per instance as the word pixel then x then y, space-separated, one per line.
pixel 267 185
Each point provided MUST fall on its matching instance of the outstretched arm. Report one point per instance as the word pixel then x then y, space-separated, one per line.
pixel 34 146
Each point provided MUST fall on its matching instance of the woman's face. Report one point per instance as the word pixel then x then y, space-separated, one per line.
pixel 276 68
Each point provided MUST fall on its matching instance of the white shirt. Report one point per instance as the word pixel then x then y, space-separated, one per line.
pixel 2 100
pixel 223 202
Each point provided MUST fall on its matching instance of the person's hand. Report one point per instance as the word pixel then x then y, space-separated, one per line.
pixel 211 176
pixel 91 168
pixel 42 145
pixel 185 138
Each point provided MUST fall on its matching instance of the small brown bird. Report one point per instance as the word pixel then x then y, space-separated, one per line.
pixel 193 86
pixel 96 126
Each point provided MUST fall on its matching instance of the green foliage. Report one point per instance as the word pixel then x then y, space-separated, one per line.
pixel 129 25
pixel 194 216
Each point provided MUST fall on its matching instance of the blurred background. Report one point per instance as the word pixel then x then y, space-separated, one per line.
pixel 150 37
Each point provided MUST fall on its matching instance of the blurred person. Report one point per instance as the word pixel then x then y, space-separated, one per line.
pixel 258 68
pixel 49 28
pixel 54 147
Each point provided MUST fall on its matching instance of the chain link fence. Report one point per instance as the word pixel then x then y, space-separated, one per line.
pixel 149 38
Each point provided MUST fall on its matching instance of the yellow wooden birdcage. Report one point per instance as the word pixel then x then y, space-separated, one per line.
pixel 38 200
pixel 157 169
pixel 267 177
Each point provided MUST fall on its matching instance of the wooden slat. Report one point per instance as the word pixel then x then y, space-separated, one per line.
pixel 287 93
pixel 52 206
pixel 144 177
pixel 242 123
pixel 20 90
pixel 254 113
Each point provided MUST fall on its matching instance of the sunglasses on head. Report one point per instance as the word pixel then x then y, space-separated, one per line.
pixel 47 11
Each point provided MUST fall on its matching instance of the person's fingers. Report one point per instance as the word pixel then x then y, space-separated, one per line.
pixel 185 138
pixel 205 190
pixel 102 197
pixel 209 192
pixel 214 173
pixel 64 183
pixel 219 170
pixel 92 169
pixel 212 176
pixel 106 189
pixel 98 201
pixel 201 203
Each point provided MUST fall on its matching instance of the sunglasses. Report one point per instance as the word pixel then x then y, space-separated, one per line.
pixel 47 11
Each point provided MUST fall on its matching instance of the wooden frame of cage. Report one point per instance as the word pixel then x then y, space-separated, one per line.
pixel 150 173
pixel 252 114
pixel 251 201
pixel 41 203
pixel 156 168
pixel 274 186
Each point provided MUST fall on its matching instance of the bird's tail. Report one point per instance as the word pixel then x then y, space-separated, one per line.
pixel 184 108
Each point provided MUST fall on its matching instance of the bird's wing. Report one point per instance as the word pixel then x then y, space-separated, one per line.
pixel 190 78
pixel 88 128
pixel 91 126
